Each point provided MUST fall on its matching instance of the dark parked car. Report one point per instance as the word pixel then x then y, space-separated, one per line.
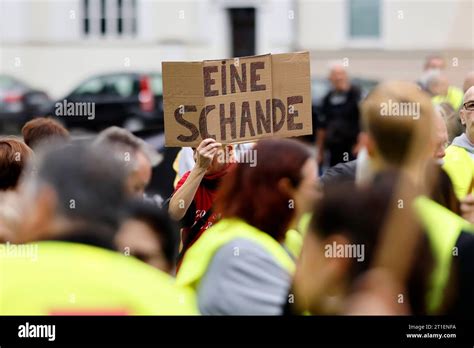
pixel 18 103
pixel 131 100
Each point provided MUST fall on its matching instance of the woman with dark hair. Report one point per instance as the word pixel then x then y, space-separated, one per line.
pixel 239 266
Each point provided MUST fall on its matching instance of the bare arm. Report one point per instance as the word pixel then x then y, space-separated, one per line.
pixel 182 198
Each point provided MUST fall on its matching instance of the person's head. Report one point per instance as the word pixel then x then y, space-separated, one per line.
pixel 43 130
pixel 451 118
pixel 148 234
pixel 133 152
pixel 440 137
pixel 437 83
pixel 468 81
pixel 341 245
pixel 14 156
pixel 398 120
pixel 139 177
pixel 467 113
pixel 74 187
pixel 338 77
pixel 434 62
pixel 266 195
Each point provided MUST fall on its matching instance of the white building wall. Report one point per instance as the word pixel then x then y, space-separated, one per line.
pixel 321 25
pixel 410 30
pixel 13 21
pixel 276 26
pixel 45 45
pixel 405 24
pixel 429 24
pixel 41 41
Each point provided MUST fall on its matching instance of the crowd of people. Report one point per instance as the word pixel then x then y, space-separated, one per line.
pixel 386 229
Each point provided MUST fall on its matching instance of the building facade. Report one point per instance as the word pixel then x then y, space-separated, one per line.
pixel 54 44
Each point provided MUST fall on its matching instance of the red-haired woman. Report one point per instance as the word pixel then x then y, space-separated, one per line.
pixel 239 266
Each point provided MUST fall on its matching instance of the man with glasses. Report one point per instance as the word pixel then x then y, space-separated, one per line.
pixel 459 159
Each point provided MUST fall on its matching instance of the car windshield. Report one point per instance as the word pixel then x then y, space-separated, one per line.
pixel 157 84
pixel 319 88
pixel 7 83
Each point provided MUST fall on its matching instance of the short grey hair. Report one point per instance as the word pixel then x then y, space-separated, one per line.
pixel 334 64
pixel 88 182
pixel 125 145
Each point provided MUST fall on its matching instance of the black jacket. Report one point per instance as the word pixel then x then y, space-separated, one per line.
pixel 340 117
pixel 340 173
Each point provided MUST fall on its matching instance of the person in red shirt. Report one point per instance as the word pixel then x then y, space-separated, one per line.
pixel 191 202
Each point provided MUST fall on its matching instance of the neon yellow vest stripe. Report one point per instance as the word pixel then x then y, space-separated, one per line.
pixel 460 167
pixel 443 228
pixel 199 256
pixel 294 238
pixel 453 97
pixel 70 278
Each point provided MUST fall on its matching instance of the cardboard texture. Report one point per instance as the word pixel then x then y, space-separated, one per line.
pixel 237 100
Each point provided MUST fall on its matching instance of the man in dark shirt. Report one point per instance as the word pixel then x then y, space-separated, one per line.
pixel 339 122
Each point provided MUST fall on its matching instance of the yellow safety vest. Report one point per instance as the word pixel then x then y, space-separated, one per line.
pixel 199 256
pixel 460 167
pixel 77 279
pixel 443 228
pixel 453 97
pixel 294 237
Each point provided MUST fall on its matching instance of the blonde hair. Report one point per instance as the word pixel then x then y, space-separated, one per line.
pixel 399 138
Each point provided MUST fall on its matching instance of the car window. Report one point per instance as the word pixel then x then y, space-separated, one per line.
pixel 7 83
pixel 91 87
pixel 319 88
pixel 365 85
pixel 157 84
pixel 120 85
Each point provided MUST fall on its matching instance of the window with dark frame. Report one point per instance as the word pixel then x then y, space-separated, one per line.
pixel 109 18
pixel 243 24
pixel 86 17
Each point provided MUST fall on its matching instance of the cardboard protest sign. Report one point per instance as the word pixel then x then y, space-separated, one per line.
pixel 237 100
